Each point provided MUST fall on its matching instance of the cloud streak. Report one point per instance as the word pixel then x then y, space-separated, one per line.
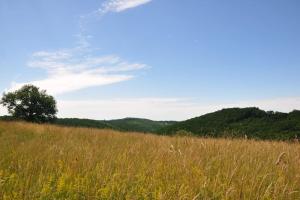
pixel 72 69
pixel 114 6
pixel 121 5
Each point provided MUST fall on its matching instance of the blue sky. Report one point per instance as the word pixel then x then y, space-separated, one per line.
pixel 158 59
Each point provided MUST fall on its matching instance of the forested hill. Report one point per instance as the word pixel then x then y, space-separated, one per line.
pixel 126 124
pixel 139 125
pixel 241 122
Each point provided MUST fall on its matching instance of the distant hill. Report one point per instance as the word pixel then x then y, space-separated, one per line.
pixel 89 123
pixel 238 122
pixel 126 124
pixel 139 125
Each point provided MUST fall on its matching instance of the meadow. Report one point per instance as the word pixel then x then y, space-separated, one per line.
pixel 51 162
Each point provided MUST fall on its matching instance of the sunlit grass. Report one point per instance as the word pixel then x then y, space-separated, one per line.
pixel 49 162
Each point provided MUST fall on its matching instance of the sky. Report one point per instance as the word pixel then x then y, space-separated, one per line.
pixel 156 59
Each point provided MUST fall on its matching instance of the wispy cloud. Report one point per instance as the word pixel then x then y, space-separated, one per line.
pixel 76 68
pixel 107 7
pixel 121 5
pixel 73 69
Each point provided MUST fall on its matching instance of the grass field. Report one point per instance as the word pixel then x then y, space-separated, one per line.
pixel 49 162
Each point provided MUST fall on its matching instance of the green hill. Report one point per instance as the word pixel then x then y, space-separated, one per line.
pixel 238 122
pixel 83 123
pixel 139 125
pixel 126 124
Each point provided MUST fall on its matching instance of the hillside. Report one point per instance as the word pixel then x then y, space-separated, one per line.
pixel 238 122
pixel 139 125
pixel 54 162
pixel 126 124
pixel 87 123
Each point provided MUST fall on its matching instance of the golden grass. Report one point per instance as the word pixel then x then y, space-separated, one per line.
pixel 50 162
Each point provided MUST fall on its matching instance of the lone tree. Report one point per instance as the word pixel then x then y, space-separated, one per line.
pixel 30 104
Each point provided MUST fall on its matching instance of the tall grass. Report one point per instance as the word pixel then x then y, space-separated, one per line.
pixel 50 162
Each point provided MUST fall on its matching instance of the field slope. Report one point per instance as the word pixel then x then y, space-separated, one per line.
pixel 126 124
pixel 51 162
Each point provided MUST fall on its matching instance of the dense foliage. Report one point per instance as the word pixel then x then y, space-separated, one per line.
pixel 127 124
pixel 88 123
pixel 139 125
pixel 30 104
pixel 242 122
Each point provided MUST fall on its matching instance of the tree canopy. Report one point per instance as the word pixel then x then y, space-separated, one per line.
pixel 30 104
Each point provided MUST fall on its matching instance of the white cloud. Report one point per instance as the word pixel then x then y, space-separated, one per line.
pixel 121 5
pixel 73 69
pixel 162 108
pixel 3 111
pixel 106 7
